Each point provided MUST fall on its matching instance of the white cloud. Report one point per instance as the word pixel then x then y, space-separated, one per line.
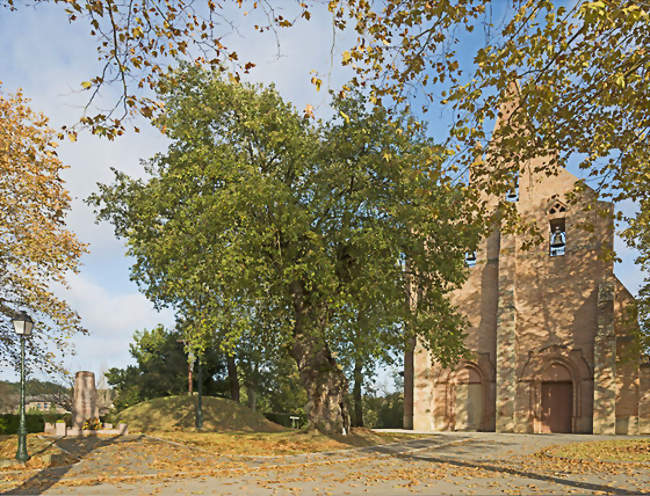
pixel 111 319
pixel 49 57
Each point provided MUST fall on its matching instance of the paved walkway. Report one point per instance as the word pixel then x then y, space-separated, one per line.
pixel 446 463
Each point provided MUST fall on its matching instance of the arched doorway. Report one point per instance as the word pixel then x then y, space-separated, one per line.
pixel 469 403
pixel 557 399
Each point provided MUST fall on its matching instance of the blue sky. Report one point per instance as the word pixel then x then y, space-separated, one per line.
pixel 49 58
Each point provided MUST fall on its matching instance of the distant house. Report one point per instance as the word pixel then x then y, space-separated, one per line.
pixel 43 404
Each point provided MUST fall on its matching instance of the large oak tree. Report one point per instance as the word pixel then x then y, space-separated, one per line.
pixel 296 227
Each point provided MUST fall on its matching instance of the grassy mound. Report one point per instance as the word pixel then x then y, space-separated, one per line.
pixel 177 413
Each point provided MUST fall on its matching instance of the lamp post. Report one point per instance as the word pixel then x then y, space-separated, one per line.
pixel 199 406
pixel 23 325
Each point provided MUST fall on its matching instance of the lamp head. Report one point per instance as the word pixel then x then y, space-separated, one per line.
pixel 23 324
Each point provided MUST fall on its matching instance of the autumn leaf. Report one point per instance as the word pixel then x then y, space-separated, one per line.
pixel 36 248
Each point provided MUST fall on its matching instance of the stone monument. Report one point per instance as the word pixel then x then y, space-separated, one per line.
pixel 84 405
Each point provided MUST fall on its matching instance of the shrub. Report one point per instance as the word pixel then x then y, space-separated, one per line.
pixel 383 411
pixel 9 423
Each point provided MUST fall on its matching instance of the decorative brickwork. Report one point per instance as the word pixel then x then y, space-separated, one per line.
pixel 506 383
pixel 644 398
pixel 605 362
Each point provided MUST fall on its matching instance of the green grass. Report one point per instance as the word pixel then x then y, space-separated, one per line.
pixel 177 413
pixel 623 450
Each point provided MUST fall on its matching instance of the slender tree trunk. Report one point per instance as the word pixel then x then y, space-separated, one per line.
pixel 189 378
pixel 199 397
pixel 233 380
pixel 357 420
pixel 251 393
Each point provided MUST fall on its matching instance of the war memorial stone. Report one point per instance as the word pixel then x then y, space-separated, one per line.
pixel 84 405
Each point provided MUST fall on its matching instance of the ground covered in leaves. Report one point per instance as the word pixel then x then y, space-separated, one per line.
pixel 618 450
pixel 449 463
pixel 280 443
pixel 42 451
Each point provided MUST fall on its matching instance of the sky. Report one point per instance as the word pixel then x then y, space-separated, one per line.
pixel 48 58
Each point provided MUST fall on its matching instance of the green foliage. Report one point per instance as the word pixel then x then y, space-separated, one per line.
pixel 383 412
pixel 582 65
pixel 637 235
pixel 283 390
pixel 9 423
pixel 257 223
pixel 161 369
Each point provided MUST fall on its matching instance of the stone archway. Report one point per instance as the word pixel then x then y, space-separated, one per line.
pixel 555 378
pixel 464 397
pixel 469 399
pixel 557 403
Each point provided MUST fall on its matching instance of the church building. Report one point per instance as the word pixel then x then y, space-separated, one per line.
pixel 550 330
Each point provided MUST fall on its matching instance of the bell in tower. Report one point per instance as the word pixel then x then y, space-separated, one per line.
pixel 558 242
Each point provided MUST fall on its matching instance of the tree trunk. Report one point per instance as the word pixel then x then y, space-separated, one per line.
pixel 325 384
pixel 233 380
pixel 251 393
pixel 323 379
pixel 357 420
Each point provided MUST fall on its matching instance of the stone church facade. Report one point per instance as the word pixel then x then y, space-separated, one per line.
pixel 549 331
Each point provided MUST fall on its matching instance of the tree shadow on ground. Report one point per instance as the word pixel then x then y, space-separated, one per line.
pixel 78 447
pixel 585 486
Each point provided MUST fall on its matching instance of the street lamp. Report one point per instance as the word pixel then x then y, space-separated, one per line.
pixel 23 325
pixel 199 407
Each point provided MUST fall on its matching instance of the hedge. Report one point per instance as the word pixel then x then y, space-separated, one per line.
pixel 34 422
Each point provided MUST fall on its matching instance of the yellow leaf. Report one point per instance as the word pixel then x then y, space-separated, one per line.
pixel 86 84
pixel 316 82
